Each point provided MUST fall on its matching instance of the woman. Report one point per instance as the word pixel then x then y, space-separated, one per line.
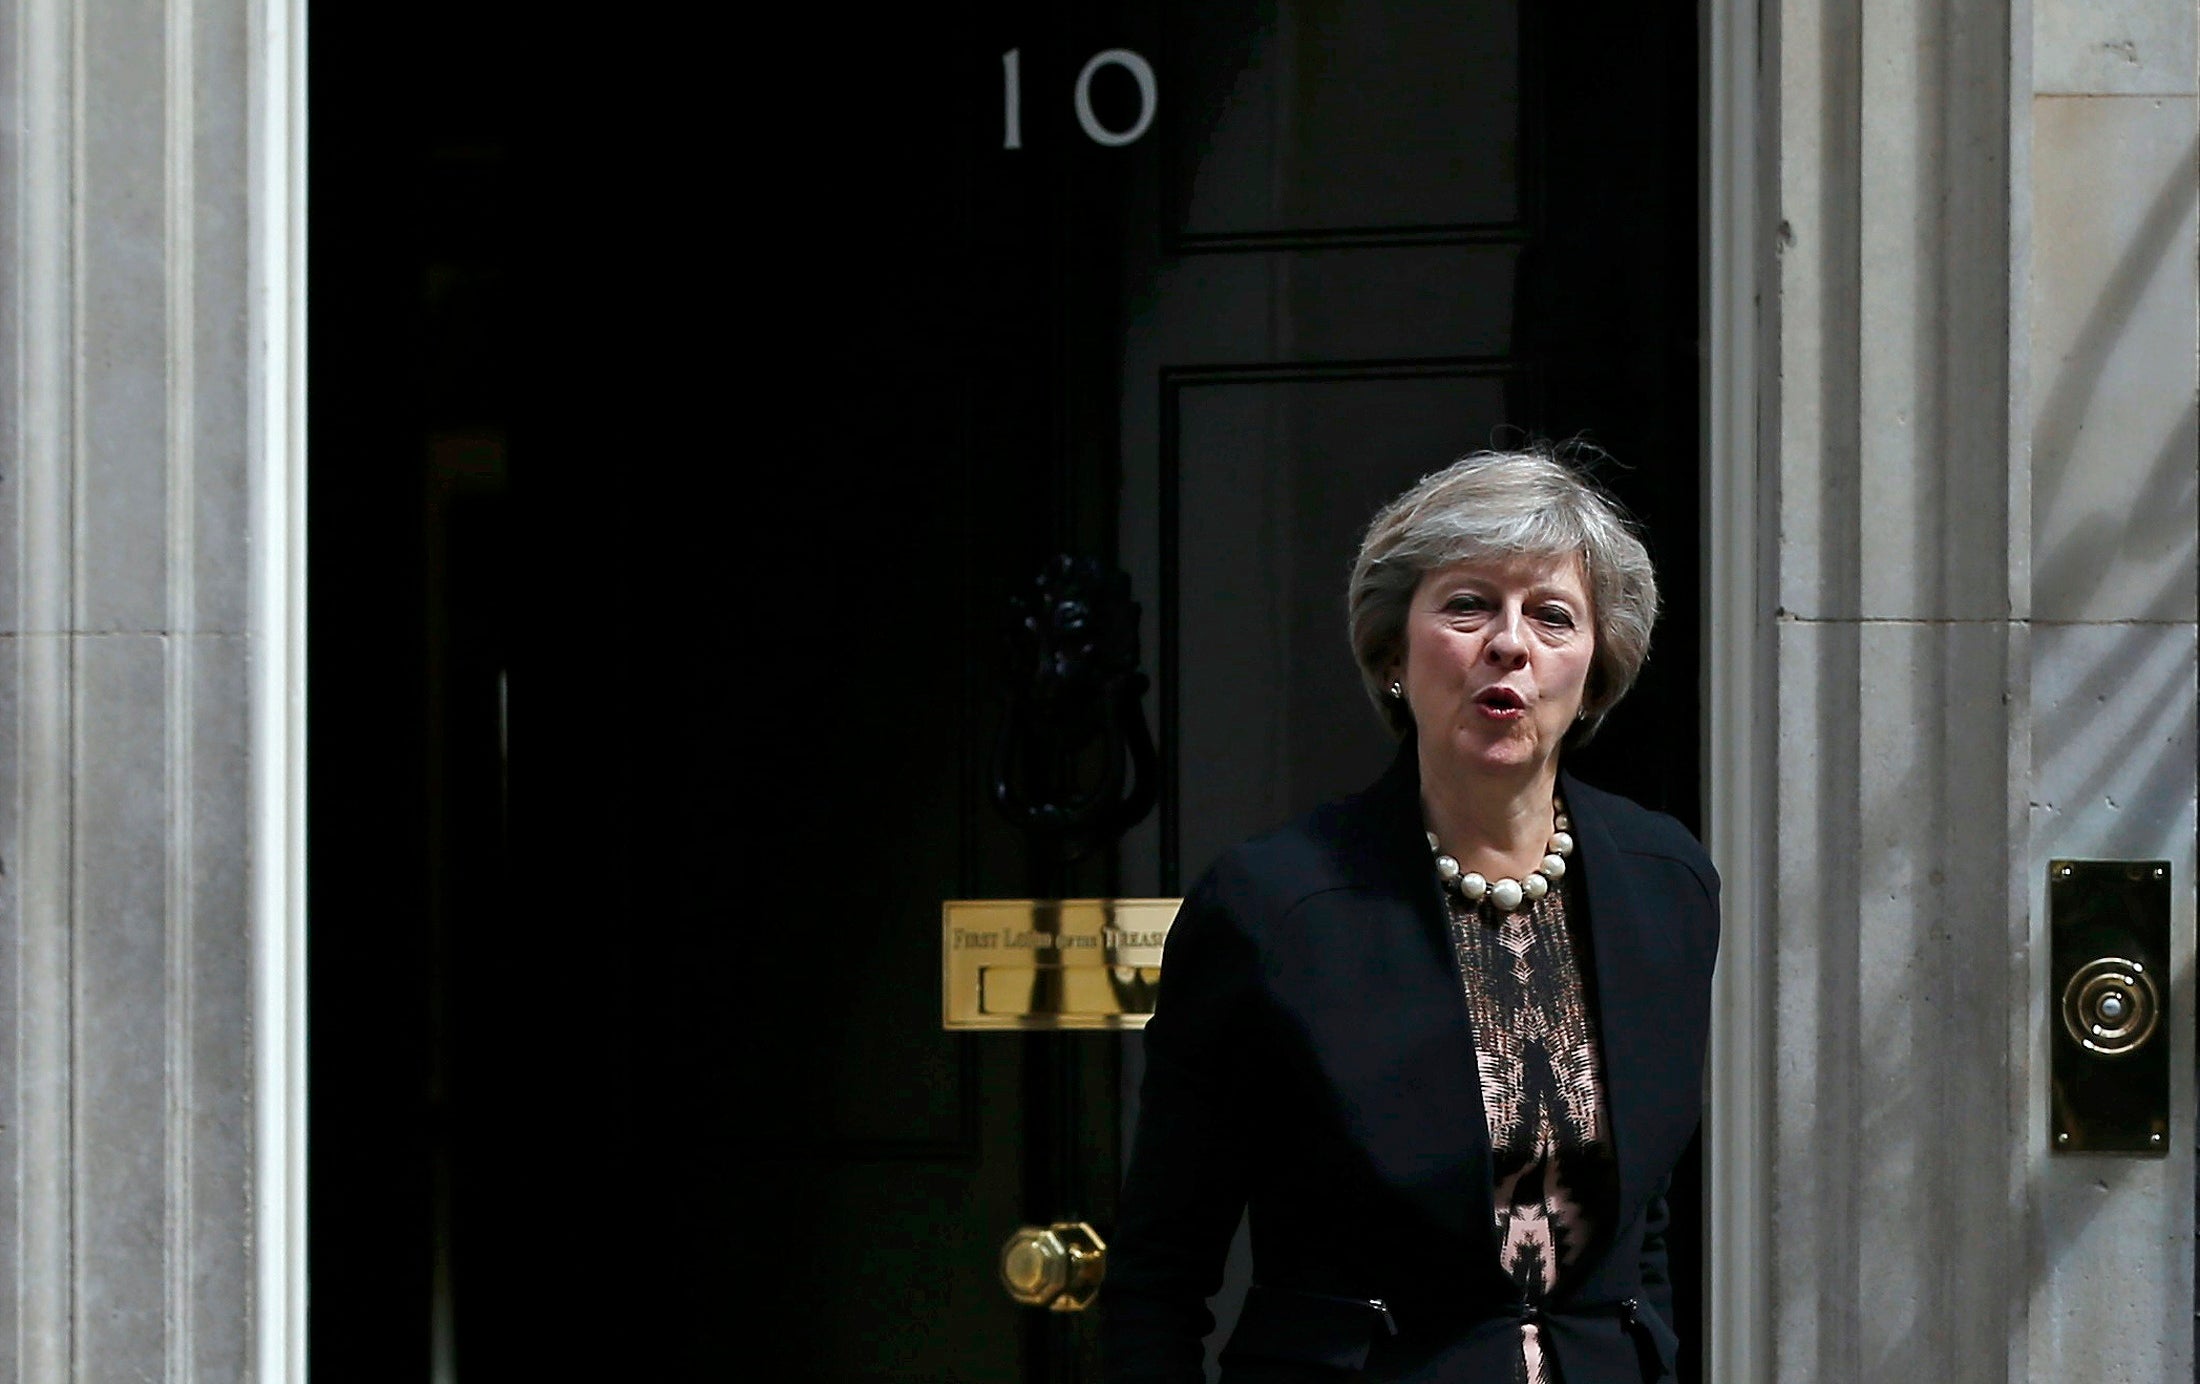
pixel 1443 1040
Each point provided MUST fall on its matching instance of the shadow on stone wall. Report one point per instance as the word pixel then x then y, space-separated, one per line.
pixel 2156 516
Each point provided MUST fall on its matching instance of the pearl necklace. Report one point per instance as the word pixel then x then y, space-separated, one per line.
pixel 1509 894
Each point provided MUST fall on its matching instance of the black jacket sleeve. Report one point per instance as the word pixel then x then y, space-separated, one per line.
pixel 1657 1278
pixel 1187 1182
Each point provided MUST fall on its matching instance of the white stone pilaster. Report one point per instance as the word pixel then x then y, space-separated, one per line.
pixel 149 681
pixel 1890 846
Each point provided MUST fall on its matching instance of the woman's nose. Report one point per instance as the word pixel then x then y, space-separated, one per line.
pixel 1508 638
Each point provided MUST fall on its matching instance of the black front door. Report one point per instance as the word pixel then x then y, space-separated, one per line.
pixel 1349 243
pixel 819 347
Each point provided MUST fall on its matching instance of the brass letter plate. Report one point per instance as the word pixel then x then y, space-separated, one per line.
pixel 1051 963
pixel 2108 1006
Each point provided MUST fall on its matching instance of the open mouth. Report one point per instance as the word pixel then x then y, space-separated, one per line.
pixel 1500 701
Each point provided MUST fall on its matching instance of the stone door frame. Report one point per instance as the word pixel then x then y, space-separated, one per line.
pixel 1737 662
pixel 152 680
pixel 279 750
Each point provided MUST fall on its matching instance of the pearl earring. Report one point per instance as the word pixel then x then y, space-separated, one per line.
pixel 1397 693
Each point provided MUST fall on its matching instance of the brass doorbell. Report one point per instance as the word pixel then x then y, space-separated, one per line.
pixel 2108 967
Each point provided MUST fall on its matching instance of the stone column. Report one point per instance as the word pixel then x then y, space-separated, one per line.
pixel 1968 634
pixel 150 672
pixel 1898 823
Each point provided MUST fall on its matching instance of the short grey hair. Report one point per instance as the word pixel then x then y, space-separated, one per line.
pixel 1495 505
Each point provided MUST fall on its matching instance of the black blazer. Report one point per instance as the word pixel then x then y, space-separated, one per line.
pixel 1310 1059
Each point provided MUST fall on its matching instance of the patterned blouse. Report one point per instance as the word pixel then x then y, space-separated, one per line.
pixel 1535 1043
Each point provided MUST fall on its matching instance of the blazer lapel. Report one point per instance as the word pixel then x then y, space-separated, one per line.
pixel 1398 857
pixel 1629 973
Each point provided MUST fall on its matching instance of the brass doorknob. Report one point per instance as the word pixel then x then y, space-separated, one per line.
pixel 1058 1267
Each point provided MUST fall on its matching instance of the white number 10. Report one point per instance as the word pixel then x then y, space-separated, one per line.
pixel 1012 98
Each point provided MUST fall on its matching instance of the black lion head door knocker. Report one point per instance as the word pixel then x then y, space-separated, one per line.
pixel 1075 765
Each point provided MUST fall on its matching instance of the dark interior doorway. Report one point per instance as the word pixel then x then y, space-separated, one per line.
pixel 677 436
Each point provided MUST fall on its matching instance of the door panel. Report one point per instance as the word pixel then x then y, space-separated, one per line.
pixel 1273 481
pixel 1328 304
pixel 1396 118
pixel 1382 249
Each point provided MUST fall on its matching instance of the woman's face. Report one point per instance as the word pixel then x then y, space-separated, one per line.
pixel 1497 658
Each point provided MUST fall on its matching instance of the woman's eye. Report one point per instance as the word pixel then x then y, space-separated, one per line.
pixel 1558 615
pixel 1465 603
